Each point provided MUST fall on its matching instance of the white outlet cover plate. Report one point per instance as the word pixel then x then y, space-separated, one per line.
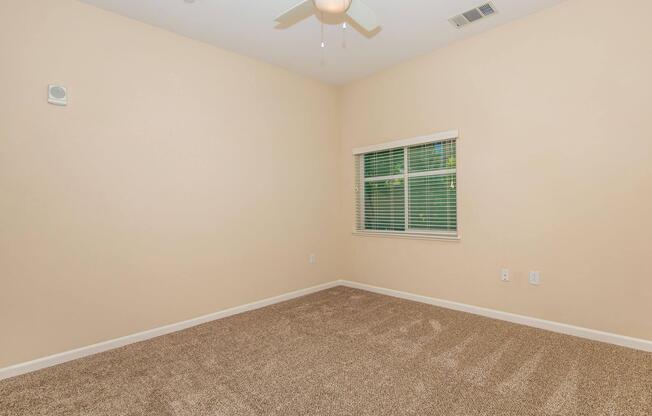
pixel 504 275
pixel 535 278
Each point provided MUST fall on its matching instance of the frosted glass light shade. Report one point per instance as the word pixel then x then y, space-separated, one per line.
pixel 332 6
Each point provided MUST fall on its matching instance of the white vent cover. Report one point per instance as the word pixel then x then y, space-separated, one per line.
pixel 473 15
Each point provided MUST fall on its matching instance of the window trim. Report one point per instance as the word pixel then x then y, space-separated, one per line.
pixel 431 138
pixel 409 233
pixel 440 236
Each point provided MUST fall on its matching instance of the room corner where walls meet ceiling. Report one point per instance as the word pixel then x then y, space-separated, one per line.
pixel 247 27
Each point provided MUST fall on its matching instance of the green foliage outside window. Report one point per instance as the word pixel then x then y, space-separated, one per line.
pixel 430 186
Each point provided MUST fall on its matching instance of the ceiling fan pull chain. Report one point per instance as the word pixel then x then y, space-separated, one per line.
pixel 344 26
pixel 323 41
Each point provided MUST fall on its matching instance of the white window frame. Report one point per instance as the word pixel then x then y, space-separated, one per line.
pixel 406 143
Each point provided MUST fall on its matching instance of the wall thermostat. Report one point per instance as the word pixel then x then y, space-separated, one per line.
pixel 57 95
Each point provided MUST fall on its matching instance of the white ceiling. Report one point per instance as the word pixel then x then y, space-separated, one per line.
pixel 409 28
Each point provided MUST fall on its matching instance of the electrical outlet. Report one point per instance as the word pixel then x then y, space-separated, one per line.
pixel 504 275
pixel 535 278
pixel 312 259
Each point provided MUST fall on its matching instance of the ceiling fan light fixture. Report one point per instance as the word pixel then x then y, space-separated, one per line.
pixel 333 6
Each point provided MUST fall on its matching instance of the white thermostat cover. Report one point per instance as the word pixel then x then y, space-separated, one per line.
pixel 57 95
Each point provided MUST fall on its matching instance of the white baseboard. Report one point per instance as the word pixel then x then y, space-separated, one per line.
pixel 40 363
pixel 624 341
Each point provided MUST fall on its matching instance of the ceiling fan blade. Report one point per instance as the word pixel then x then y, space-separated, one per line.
pixel 296 13
pixel 363 15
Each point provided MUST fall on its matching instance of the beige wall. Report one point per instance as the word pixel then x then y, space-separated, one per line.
pixel 555 166
pixel 181 179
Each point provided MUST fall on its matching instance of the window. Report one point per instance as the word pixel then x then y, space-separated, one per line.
pixel 408 187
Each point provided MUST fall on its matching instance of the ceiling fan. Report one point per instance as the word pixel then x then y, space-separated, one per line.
pixel 356 10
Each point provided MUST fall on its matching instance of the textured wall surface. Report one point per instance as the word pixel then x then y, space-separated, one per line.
pixel 179 181
pixel 554 166
pixel 182 179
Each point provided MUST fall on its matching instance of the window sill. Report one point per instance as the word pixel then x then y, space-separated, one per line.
pixel 411 236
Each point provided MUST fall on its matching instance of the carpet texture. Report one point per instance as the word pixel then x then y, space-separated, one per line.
pixel 345 352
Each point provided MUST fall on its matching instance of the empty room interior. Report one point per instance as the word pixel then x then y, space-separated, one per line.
pixel 325 207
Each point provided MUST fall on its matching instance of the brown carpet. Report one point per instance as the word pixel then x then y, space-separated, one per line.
pixel 345 352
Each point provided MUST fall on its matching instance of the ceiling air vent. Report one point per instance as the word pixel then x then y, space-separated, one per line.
pixel 473 15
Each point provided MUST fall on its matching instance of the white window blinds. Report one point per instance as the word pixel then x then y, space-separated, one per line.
pixel 408 189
